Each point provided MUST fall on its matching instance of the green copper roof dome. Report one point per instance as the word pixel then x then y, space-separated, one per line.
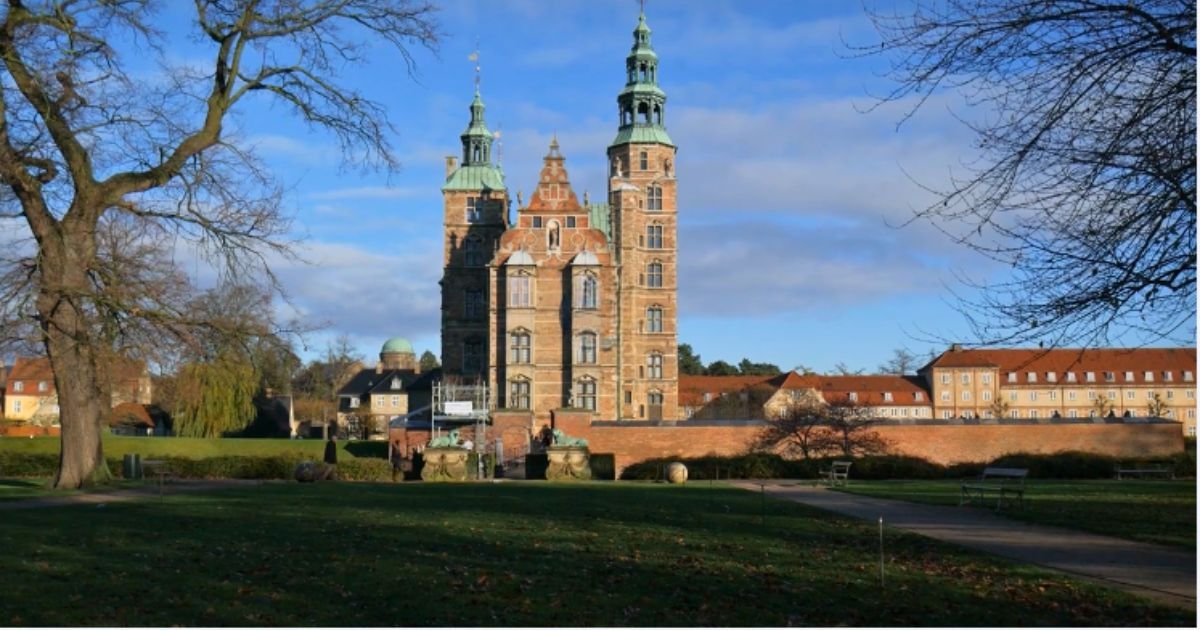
pixel 642 104
pixel 396 344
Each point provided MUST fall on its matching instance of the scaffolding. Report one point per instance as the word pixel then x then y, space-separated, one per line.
pixel 457 404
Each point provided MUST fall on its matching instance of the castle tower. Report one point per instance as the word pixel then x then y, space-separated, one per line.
pixel 475 214
pixel 642 199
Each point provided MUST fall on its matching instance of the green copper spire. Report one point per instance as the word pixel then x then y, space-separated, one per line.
pixel 477 171
pixel 642 103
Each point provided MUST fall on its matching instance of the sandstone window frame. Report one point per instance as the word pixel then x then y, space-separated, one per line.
pixel 475 207
pixel 654 366
pixel 644 158
pixel 586 398
pixel 654 318
pixel 520 346
pixel 520 289
pixel 588 286
pixel 519 388
pixel 654 236
pixel 585 347
pixel 654 275
pixel 654 199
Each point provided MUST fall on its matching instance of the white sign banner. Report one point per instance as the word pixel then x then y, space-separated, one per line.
pixel 457 408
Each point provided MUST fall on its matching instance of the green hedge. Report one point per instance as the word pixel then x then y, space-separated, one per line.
pixel 226 467
pixel 200 448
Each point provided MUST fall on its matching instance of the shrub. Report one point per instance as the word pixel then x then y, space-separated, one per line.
pixel 1184 464
pixel 1062 465
pixel 894 467
pixel 535 465
pixel 603 466
pixel 28 464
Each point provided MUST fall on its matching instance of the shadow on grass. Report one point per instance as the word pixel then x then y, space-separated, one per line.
pixel 511 554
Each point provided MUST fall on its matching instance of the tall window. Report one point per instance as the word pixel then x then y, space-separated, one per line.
pixel 518 394
pixel 654 275
pixel 588 291
pixel 518 290
pixel 587 347
pixel 654 366
pixel 472 356
pixel 519 346
pixel 654 198
pixel 473 304
pixel 644 161
pixel 654 319
pixel 18 386
pixel 474 210
pixel 654 236
pixel 586 396
pixel 474 248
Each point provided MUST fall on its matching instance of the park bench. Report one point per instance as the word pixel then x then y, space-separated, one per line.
pixel 1005 483
pixel 837 474
pixel 159 468
pixel 1145 469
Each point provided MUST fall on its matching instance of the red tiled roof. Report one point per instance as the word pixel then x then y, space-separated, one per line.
pixel 32 370
pixel 1062 360
pixel 692 388
pixel 870 389
pixel 130 413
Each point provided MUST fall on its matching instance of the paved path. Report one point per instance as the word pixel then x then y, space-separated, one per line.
pixel 1160 573
pixel 150 490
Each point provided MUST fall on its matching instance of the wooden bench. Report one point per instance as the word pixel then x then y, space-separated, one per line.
pixel 160 468
pixel 1145 469
pixel 838 473
pixel 1005 483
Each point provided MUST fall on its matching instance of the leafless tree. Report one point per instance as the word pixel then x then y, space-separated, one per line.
pixel 810 429
pixel 1084 185
pixel 85 145
pixel 902 362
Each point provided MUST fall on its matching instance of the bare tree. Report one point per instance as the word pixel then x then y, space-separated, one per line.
pixel 842 369
pixel 902 362
pixel 1085 184
pixel 840 426
pixel 84 144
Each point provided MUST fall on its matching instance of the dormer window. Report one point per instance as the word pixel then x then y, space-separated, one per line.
pixel 1090 377
pixel 1051 377
pixel 887 396
pixel 919 397
pixel 18 386
pixel 1128 377
pixel 852 396
pixel 1149 376
pixel 1031 377
pixel 395 382
pixel 1167 376
pixel 1070 377
pixel 1110 377
pixel 1012 377
pixel 1187 375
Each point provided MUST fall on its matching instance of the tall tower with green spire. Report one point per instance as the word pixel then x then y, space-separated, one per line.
pixel 641 196
pixel 475 214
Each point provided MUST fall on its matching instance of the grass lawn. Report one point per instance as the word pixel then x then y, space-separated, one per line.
pixel 528 554
pixel 1161 512
pixel 37 487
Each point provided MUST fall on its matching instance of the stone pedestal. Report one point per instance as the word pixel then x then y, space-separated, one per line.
pixel 568 463
pixel 444 464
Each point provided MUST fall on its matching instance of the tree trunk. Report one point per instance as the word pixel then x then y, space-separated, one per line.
pixel 69 342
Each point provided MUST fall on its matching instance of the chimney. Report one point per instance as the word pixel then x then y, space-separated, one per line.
pixel 955 347
pixel 451 164
pixel 379 366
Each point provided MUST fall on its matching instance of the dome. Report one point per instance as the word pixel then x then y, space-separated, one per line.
pixel 396 344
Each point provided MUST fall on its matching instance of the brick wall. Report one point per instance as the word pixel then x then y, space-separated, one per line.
pixel 944 444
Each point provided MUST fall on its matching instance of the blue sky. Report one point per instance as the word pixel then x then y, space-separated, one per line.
pixel 788 190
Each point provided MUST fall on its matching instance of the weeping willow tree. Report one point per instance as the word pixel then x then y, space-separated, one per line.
pixel 215 397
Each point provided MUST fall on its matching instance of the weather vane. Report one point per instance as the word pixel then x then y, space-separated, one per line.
pixel 474 57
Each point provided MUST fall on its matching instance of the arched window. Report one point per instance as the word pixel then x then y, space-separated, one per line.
pixel 654 319
pixel 654 365
pixel 474 251
pixel 589 290
pixel 643 111
pixel 519 346
pixel 585 351
pixel 518 393
pixel 585 396
pixel 654 236
pixel 654 198
pixel 654 275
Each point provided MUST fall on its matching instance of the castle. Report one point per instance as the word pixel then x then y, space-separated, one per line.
pixel 570 304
